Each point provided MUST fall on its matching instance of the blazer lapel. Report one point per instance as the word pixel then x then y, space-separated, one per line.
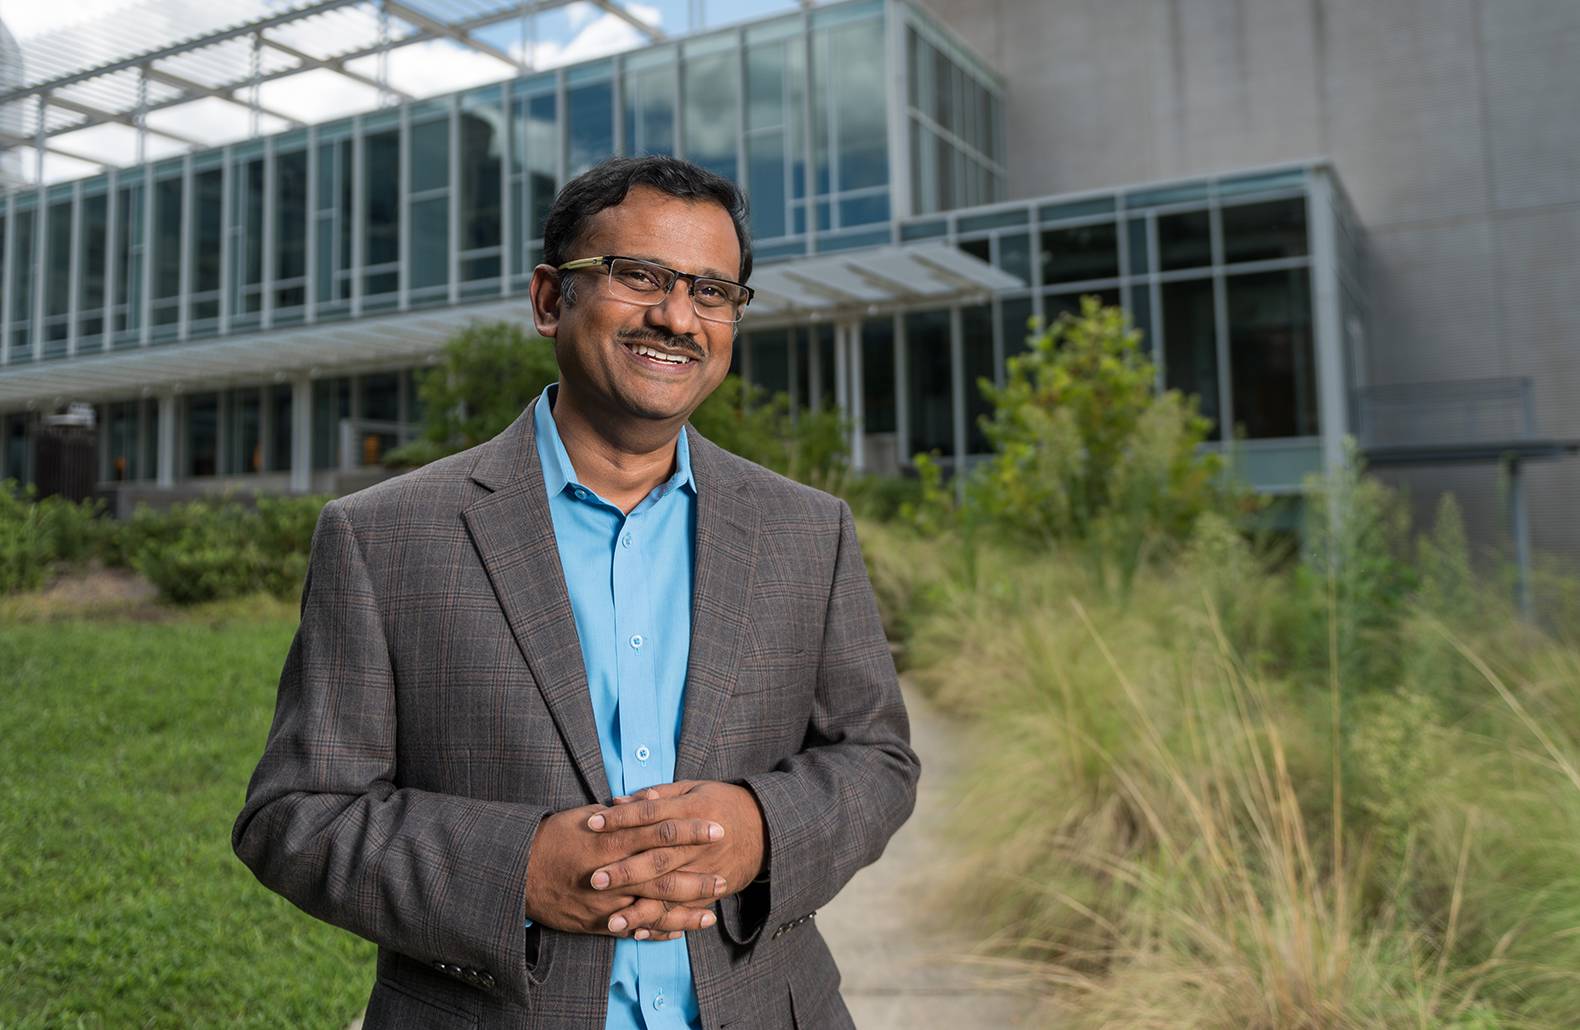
pixel 514 537
pixel 726 555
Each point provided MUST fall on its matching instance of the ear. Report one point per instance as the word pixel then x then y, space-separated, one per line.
pixel 546 300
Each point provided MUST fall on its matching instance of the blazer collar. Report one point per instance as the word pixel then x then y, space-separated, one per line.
pixel 514 536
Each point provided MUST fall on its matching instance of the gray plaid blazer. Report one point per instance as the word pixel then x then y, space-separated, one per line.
pixel 433 708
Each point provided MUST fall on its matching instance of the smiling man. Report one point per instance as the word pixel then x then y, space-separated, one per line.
pixel 582 725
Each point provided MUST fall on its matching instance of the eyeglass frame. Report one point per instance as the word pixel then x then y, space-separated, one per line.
pixel 607 261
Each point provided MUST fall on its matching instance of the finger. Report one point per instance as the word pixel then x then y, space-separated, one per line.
pixel 639 811
pixel 662 790
pixel 667 833
pixel 642 868
pixel 649 918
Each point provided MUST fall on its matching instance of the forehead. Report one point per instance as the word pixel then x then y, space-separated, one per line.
pixel 691 235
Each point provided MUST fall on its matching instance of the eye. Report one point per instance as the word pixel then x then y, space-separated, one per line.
pixel 639 278
pixel 712 293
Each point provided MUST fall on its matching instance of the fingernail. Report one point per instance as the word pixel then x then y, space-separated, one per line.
pixel 641 935
pixel 708 919
pixel 617 924
pixel 596 822
pixel 650 792
pixel 600 880
pixel 718 885
pixel 622 797
pixel 715 831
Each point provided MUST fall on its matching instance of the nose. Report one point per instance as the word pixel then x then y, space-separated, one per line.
pixel 676 313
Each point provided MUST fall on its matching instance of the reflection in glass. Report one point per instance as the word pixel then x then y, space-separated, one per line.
pixel 589 122
pixel 856 77
pixel 482 152
pixel 771 361
pixel 649 97
pixel 928 392
pixel 247 241
pixel 127 316
pixel 1271 359
pixel 430 154
pixel 1014 255
pixel 542 135
pixel 1079 254
pixel 1265 232
pixel 1190 343
pixel 430 243
pixel 1184 240
pixel 711 95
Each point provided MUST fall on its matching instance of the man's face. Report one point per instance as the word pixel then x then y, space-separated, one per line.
pixel 597 335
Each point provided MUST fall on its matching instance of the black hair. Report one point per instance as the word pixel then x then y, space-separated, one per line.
pixel 606 185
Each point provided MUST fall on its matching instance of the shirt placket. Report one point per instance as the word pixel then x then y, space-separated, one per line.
pixel 644 752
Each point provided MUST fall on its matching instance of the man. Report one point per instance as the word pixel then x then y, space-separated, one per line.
pixel 596 602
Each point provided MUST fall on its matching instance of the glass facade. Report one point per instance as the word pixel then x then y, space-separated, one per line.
pixel 850 125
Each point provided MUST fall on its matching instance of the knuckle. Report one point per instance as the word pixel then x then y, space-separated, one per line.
pixel 660 861
pixel 665 884
pixel 647 810
pixel 668 831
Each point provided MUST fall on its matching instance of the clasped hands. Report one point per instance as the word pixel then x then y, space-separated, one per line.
pixel 650 866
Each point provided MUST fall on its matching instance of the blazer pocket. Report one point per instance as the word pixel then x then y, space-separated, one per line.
pixel 394 1006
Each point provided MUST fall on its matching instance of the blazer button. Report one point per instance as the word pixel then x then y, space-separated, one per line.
pixel 486 979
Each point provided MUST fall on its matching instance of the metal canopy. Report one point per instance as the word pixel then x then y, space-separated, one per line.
pixel 823 288
pixel 861 282
pixel 237 46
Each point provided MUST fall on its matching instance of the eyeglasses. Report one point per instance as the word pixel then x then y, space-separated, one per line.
pixel 642 282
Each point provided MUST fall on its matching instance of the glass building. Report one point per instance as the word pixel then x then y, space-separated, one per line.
pixel 251 315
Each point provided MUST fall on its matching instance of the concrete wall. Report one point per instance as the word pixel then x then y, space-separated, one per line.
pixel 1454 124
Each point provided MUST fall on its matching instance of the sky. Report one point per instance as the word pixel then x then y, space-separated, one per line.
pixel 64 32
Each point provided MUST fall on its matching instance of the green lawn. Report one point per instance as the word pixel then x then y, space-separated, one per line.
pixel 126 751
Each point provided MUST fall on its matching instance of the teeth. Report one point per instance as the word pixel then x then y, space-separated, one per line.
pixel 673 359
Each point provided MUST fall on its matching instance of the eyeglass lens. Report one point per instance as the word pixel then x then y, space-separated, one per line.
pixel 642 282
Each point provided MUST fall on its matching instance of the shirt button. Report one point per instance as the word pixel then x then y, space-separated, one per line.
pixel 642 753
pixel 581 495
pixel 636 641
pixel 625 541
pixel 658 1001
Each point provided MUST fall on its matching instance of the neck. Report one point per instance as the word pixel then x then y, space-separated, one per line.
pixel 619 462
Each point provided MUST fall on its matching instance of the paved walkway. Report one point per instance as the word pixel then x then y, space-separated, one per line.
pixel 902 969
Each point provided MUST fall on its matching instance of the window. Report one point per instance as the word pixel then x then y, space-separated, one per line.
pixel 94 242
pixel 1184 240
pixel 482 150
pixel 430 209
pixel 202 443
pixel 1080 254
pixel 1265 232
pixel 332 275
pixel 1190 360
pixel 247 240
pixel 243 445
pixel 711 93
pixel 21 272
pixel 649 96
pixel 976 327
pixel 167 252
pixel 57 281
pixel 770 361
pixel 877 375
pixel 208 199
pixel 381 200
pixel 126 317
pixel 928 392
pixel 290 234
pixel 1271 359
pixel 589 119
pixel 540 143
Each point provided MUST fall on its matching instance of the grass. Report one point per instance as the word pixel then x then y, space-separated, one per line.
pixel 129 743
pixel 1247 797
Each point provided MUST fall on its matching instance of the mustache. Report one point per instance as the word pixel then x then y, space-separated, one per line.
pixel 679 342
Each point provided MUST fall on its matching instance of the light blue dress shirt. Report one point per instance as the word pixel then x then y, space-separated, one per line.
pixel 629 578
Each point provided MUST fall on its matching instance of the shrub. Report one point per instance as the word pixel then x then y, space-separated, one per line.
pixel 744 419
pixel 206 551
pixel 37 536
pixel 1086 451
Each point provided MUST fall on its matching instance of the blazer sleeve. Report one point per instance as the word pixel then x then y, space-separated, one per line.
pixel 437 877
pixel 831 808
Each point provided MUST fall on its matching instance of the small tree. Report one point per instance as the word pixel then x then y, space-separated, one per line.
pixel 486 374
pixel 1088 451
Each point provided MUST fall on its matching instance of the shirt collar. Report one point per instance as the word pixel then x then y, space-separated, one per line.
pixel 558 472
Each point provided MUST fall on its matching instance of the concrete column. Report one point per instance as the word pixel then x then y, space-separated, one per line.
pixel 957 399
pixel 301 434
pixel 858 412
pixel 166 469
pixel 1332 390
